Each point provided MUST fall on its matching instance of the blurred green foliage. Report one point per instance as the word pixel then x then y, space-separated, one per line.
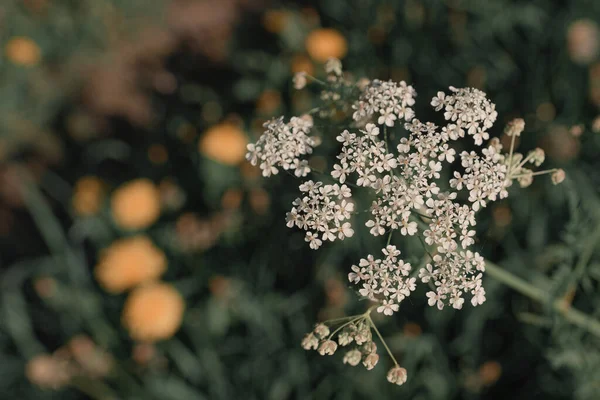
pixel 255 290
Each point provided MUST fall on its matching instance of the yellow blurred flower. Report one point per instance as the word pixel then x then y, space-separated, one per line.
pixel 153 312
pixel 23 51
pixel 88 195
pixel 225 143
pixel 136 204
pixel 325 43
pixel 129 262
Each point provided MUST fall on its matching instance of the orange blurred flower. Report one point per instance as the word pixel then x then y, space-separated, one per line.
pixel 136 204
pixel 88 195
pixel 224 143
pixel 583 41
pixel 232 199
pixel 490 372
pixel 48 371
pixel 259 199
pixel 275 21
pixel 325 43
pixel 301 63
pixel 23 51
pixel 153 312
pixel 268 102
pixel 129 262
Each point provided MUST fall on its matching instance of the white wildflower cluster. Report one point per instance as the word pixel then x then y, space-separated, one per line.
pixel 469 109
pixel 385 280
pixel 454 274
pixel 484 177
pixel 390 101
pixel 364 154
pixel 283 145
pixel 323 212
pixel 406 179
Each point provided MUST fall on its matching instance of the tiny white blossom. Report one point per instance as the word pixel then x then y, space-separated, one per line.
pixel 300 80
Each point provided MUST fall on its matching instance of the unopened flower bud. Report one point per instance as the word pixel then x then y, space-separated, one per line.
pixel 299 80
pixel 369 347
pixel 363 83
pixel 344 339
pixel 558 176
pixel 310 342
pixel 370 361
pixel 495 143
pixel 321 330
pixel 397 375
pixel 327 347
pixel 352 357
pixel 515 127
pixel 363 333
pixel 333 66
pixel 537 156
pixel 526 179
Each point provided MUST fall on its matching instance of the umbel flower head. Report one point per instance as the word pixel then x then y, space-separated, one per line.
pixel 411 195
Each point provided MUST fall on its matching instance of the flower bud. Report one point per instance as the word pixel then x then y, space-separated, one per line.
pixel 344 338
pixel 397 375
pixel 310 342
pixel 352 357
pixel 515 127
pixel 526 179
pixel 299 80
pixel 369 347
pixel 363 334
pixel 327 347
pixel 537 156
pixel 321 330
pixel 558 176
pixel 370 361
pixel 333 66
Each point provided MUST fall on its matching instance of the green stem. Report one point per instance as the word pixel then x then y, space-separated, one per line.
pixel 357 318
pixel 571 315
pixel 424 246
pixel 512 147
pixel 381 339
pixel 546 171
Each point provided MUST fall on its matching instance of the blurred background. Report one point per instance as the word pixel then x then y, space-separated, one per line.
pixel 141 257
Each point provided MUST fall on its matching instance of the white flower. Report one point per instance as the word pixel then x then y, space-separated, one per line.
pixel 313 240
pixel 345 231
pixel 388 308
pixel 409 228
pixel 333 66
pixel 339 172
